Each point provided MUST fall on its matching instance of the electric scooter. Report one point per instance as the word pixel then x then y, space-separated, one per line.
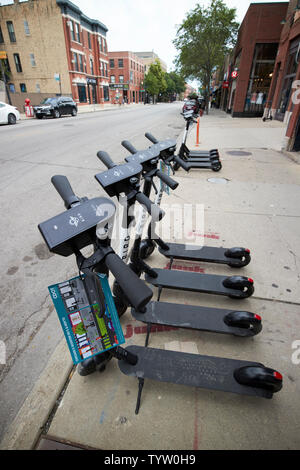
pixel 236 257
pixel 193 370
pixel 194 155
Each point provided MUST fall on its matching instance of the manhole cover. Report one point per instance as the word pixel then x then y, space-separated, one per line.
pixel 239 153
pixel 218 180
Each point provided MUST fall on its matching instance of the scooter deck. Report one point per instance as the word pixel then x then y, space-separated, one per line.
pixel 194 164
pixel 189 317
pixel 214 373
pixel 209 254
pixel 196 282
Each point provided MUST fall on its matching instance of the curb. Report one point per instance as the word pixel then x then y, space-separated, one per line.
pixel 25 430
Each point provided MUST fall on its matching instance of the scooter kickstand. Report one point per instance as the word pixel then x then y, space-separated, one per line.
pixel 138 401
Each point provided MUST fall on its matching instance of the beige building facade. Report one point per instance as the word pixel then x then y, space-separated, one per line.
pixel 149 58
pixel 53 48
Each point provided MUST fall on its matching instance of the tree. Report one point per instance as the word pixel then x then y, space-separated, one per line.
pixel 155 81
pixel 175 85
pixel 203 39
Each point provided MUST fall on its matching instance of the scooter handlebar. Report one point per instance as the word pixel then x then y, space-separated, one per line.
pixel 181 163
pixel 167 180
pixel 131 149
pixel 64 189
pixel 136 291
pixel 151 138
pixel 155 211
pixel 105 159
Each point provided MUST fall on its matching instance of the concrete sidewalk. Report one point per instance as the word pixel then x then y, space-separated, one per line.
pixel 256 206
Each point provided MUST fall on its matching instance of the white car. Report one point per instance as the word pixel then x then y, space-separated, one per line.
pixel 8 114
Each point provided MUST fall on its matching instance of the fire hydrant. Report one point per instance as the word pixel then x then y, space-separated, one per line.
pixel 28 108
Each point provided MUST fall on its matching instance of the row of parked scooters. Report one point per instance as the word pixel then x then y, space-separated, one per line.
pixel 133 181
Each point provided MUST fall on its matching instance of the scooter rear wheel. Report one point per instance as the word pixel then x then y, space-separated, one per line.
pixel 259 377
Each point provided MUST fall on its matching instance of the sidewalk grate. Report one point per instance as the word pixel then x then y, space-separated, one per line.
pixel 239 153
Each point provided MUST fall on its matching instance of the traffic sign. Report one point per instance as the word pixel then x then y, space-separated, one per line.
pixel 3 55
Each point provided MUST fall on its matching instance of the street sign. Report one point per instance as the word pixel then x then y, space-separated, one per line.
pixel 234 74
pixel 57 77
pixel 3 55
pixel 225 84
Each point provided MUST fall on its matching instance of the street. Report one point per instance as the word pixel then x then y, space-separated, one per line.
pixel 31 153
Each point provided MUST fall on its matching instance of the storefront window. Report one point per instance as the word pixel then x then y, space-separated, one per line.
pixel 261 77
pixel 290 76
pixel 106 93
pixel 82 93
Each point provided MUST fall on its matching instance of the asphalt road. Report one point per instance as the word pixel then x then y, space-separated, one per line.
pixel 31 152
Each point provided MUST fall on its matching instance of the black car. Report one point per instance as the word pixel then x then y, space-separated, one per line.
pixel 56 107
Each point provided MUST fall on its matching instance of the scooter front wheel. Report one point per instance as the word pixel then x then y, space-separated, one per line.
pixel 146 248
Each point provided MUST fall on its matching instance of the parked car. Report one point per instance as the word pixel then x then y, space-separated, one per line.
pixel 8 114
pixel 56 107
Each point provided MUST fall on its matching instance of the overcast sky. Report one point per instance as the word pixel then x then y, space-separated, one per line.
pixel 145 25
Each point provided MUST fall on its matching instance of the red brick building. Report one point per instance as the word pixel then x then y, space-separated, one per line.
pixel 251 68
pixel 87 55
pixel 286 72
pixel 126 72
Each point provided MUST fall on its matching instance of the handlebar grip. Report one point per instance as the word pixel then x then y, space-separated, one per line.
pixel 167 180
pixel 155 211
pixel 181 163
pixel 151 138
pixel 131 149
pixel 136 291
pixel 105 159
pixel 64 189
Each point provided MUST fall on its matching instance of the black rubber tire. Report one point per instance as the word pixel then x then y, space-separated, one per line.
pixel 74 112
pixel 259 377
pixel 147 247
pixel 56 114
pixel 11 119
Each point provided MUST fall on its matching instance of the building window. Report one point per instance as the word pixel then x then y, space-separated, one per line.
pixel 80 63
pixel 106 93
pixel 100 44
pixel 1 36
pixel 131 76
pixel 12 88
pixel 112 79
pixel 104 46
pixel 261 76
pixel 89 40
pixel 38 88
pixel 106 69
pixel 77 32
pixel 75 61
pixel 32 60
pixel 18 63
pixel 26 28
pixel 11 31
pixel 289 77
pixel 23 87
pixel 120 63
pixel 82 93
pixel 92 66
pixel 111 63
pixel 121 78
pixel 72 30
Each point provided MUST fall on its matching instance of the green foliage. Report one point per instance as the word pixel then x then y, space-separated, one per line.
pixel 155 81
pixel 203 39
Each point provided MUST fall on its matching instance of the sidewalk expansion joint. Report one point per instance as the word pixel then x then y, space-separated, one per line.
pixel 44 429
